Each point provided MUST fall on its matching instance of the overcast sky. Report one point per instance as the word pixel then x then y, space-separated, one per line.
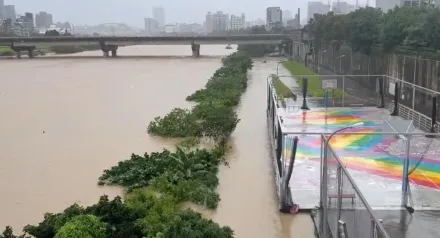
pixel 132 12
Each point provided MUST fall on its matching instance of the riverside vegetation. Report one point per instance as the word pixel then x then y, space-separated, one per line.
pixel 158 183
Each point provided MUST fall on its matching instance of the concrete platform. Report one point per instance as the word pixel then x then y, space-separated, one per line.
pixel 374 161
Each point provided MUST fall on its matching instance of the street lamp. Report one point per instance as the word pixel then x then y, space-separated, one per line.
pixel 321 54
pixel 340 63
pixel 324 178
pixel 320 63
pixel 278 64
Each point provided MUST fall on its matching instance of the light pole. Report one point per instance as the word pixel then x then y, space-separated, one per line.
pixel 278 64
pixel 321 55
pixel 320 63
pixel 340 63
pixel 324 176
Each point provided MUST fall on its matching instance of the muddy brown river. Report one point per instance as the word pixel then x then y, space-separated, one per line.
pixel 66 119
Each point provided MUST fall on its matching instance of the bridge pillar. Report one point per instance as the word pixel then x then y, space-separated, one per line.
pixel 18 53
pixel 31 54
pixel 195 50
pixel 114 52
pixel 105 53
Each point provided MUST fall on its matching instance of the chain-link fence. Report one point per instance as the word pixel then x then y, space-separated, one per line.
pixel 419 76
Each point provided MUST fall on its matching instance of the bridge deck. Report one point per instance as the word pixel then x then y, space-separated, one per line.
pixel 231 39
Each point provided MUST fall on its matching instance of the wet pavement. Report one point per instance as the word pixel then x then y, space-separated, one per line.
pixel 374 162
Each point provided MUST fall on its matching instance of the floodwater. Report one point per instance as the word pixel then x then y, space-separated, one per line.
pixel 64 120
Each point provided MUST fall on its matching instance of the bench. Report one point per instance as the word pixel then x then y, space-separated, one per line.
pixel 350 195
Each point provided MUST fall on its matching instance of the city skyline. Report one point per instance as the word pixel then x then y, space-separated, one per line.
pixel 133 12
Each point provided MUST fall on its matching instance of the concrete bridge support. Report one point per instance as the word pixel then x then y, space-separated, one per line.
pixel 106 49
pixel 19 49
pixel 195 50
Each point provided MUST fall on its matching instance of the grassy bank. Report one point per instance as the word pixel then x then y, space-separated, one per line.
pixel 6 51
pixel 281 89
pixel 314 80
pixel 71 49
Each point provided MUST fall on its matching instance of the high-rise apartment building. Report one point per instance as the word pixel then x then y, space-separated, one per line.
pixel 43 20
pixel 237 22
pixel 342 7
pixel 386 5
pixel 27 24
pixel 151 26
pixel 209 22
pixel 287 15
pixel 10 13
pixel 159 16
pixel 2 10
pixel 274 17
pixel 316 8
pixel 216 22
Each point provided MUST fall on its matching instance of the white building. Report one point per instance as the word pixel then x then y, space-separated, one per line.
pixel 217 22
pixel 287 15
pixel 170 28
pixel 159 16
pixel 274 17
pixel 316 8
pixel 151 26
pixel 188 28
pixel 342 7
pixel 237 22
pixel 386 5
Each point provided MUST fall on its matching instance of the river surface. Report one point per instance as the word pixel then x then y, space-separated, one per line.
pixel 64 120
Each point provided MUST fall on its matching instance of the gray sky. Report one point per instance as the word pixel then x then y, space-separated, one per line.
pixel 133 12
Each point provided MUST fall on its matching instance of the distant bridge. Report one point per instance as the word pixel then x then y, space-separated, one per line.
pixel 111 43
pixel 144 40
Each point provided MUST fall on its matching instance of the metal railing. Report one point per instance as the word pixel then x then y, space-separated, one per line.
pixel 414 102
pixel 340 197
pixel 349 204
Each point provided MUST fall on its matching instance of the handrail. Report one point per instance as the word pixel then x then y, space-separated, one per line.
pixel 356 188
pixel 365 75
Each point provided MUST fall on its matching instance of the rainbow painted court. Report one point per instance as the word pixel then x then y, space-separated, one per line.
pixel 374 160
pixel 365 167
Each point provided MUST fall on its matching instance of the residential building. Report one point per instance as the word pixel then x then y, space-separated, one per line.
pixel 10 13
pixel 316 8
pixel 295 23
pixel 151 26
pixel 216 22
pixel 209 22
pixel 27 23
pixel 221 21
pixel 159 16
pixel 170 28
pixel 237 22
pixel 2 10
pixel 386 5
pixel 274 17
pixel 43 20
pixel 190 28
pixel 416 3
pixel 342 7
pixel 287 15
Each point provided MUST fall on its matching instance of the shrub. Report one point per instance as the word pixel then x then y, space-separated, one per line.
pixel 214 115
